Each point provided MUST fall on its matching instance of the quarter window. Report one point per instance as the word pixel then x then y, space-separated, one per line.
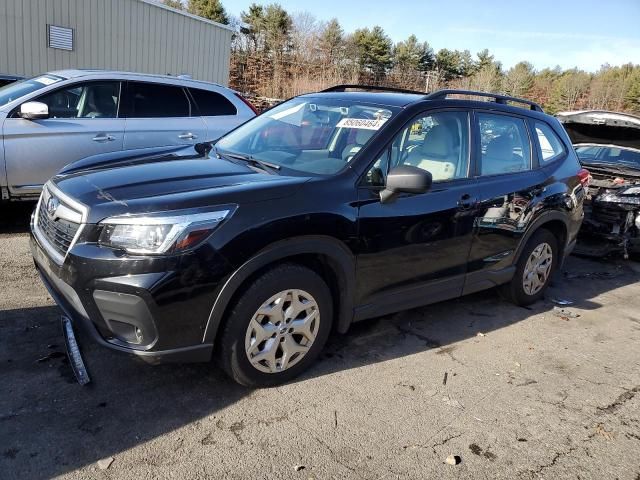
pixel 212 104
pixel 550 145
pixel 154 100
pixel 86 100
pixel 437 143
pixel 504 144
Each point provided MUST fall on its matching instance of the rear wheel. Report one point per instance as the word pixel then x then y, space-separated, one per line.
pixel 533 270
pixel 277 328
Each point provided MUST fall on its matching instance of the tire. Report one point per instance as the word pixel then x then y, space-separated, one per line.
pixel 525 291
pixel 274 335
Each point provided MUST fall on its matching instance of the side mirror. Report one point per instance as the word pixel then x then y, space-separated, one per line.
pixel 34 111
pixel 405 179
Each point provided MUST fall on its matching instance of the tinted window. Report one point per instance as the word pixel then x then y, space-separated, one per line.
pixel 153 100
pixel 84 100
pixel 437 143
pixel 504 144
pixel 212 104
pixel 620 155
pixel 550 145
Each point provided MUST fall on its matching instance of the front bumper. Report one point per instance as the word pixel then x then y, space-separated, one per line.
pixel 153 308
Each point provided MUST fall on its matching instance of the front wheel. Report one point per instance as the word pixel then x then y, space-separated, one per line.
pixel 277 328
pixel 533 270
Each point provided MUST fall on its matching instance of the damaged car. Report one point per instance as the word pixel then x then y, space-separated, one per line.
pixel 608 145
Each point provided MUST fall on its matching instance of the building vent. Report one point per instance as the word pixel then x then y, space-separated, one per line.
pixel 60 37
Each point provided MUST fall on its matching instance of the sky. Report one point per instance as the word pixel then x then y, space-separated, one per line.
pixel 570 33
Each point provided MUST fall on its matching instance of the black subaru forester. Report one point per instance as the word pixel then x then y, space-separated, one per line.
pixel 328 209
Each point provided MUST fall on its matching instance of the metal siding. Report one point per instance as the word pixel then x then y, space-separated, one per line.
pixel 111 34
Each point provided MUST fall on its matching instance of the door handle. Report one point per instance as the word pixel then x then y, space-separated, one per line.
pixel 187 136
pixel 103 138
pixel 466 202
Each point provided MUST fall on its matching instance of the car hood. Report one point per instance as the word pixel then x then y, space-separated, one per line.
pixel 602 128
pixel 159 183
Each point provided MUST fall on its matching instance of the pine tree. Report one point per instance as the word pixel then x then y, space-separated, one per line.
pixel 211 9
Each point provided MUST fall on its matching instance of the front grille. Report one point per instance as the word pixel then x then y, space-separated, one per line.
pixel 611 216
pixel 59 232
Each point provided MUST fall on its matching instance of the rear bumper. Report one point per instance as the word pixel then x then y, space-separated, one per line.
pixel 80 307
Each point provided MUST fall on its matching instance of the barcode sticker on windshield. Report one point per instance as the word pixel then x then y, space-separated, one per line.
pixel 362 123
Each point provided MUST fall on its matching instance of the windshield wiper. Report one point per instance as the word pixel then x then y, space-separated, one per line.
pixel 251 160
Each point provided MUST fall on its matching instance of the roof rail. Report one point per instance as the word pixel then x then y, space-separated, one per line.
pixel 502 99
pixel 377 88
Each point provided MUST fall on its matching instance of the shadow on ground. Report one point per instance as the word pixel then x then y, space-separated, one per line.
pixel 50 425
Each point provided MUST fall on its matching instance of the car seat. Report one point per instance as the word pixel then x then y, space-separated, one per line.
pixel 362 136
pixel 437 154
pixel 500 157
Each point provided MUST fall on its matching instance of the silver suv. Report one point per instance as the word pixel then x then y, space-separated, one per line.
pixel 60 117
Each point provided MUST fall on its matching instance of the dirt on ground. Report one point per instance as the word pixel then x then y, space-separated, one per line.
pixel 503 391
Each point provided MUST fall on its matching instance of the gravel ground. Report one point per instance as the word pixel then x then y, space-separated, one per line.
pixel 514 392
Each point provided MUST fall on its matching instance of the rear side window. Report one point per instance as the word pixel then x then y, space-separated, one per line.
pixel 153 100
pixel 504 144
pixel 550 145
pixel 212 104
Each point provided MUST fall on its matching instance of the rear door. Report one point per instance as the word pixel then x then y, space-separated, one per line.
pixel 508 184
pixel 84 120
pixel 159 115
pixel 220 114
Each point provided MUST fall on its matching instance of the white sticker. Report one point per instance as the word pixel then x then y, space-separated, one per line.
pixel 46 81
pixel 362 123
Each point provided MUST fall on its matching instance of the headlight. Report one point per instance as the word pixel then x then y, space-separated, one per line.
pixel 158 233
pixel 632 191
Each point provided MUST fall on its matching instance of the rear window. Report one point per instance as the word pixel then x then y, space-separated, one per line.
pixel 153 100
pixel 212 104
pixel 550 145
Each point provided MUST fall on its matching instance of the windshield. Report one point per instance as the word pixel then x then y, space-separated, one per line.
pixel 13 91
pixel 311 135
pixel 623 157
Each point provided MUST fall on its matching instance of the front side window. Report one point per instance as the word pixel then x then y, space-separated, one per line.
pixel 85 100
pixel 550 145
pixel 156 100
pixel 504 144
pixel 313 135
pixel 438 143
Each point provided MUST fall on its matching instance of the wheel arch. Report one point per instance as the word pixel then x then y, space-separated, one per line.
pixel 556 223
pixel 327 256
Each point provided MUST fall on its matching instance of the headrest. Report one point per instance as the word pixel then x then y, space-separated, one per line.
pixel 363 135
pixel 500 148
pixel 438 142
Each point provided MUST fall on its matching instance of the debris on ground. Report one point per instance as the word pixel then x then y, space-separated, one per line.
pixel 564 314
pixel 480 334
pixel 444 380
pixel 562 302
pixel 298 468
pixel 51 356
pixel 453 460
pixel 600 430
pixel 105 463
pixel 601 275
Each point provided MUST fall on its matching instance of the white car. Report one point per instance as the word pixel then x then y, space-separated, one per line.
pixel 49 121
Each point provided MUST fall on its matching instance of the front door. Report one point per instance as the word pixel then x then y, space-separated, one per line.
pixel 414 250
pixel 83 121
pixel 160 115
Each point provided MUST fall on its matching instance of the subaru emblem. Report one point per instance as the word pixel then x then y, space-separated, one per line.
pixel 52 206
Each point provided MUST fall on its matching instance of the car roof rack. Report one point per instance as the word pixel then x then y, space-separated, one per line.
pixel 377 88
pixel 502 99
